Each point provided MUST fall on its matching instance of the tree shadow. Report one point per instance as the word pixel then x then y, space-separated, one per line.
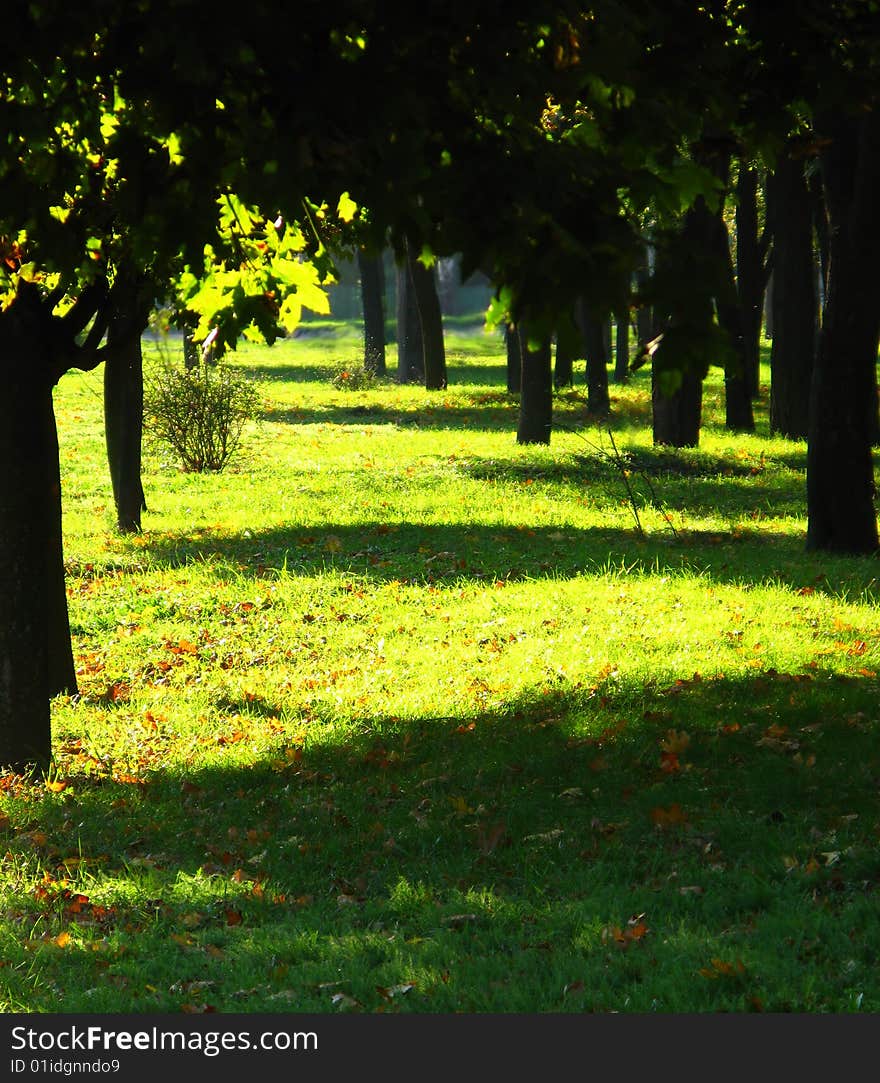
pixel 341 860
pixel 453 553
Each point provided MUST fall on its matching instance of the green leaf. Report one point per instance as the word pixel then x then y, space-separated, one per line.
pixel 346 208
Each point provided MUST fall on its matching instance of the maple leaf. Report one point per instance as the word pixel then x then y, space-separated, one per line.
pixel 675 742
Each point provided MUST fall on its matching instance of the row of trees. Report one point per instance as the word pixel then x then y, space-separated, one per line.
pixel 779 238
pixel 536 139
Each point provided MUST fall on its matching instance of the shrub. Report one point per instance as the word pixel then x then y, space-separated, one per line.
pixel 200 412
pixel 353 377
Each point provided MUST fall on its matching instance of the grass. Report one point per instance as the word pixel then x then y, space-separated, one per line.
pixel 396 715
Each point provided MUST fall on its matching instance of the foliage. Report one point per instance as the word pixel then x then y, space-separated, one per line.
pixel 354 376
pixel 199 412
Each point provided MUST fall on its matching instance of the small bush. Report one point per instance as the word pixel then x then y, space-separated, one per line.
pixel 200 412
pixel 353 377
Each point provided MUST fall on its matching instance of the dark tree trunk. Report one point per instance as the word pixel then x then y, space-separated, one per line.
pixel 536 394
pixel 29 556
pixel 621 349
pixel 737 396
pixel 514 359
pixel 409 330
pixel 124 417
pixel 677 417
pixel 843 406
pixel 431 322
pixel 795 312
pixel 372 299
pixel 593 329
pixel 749 273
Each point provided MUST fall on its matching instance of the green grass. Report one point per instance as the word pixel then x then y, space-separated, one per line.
pixel 394 714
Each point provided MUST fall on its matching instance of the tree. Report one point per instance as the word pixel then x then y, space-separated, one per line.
pixel 513 355
pixel 536 393
pixel 530 137
pixel 752 268
pixel 795 305
pixel 124 400
pixel 373 302
pixel 430 320
pixel 410 353
pixel 595 346
pixel 842 515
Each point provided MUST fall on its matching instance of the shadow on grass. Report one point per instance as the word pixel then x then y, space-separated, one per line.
pixel 492 853
pixel 452 553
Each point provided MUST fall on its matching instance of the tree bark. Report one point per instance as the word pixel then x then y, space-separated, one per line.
pixel 843 404
pixel 677 417
pixel 124 417
pixel 749 272
pixel 430 321
pixel 621 349
pixel 514 359
pixel 536 394
pixel 795 313
pixel 372 299
pixel 29 567
pixel 737 394
pixel 593 329
pixel 409 331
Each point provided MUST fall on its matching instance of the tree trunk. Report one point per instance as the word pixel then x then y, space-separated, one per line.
pixel 749 272
pixel 514 359
pixel 372 291
pixel 29 564
pixel 536 395
pixel 843 404
pixel 124 418
pixel 795 312
pixel 409 330
pixel 430 321
pixel 621 349
pixel 593 329
pixel 677 417
pixel 737 396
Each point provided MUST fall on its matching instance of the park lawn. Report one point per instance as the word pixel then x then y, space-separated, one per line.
pixel 396 715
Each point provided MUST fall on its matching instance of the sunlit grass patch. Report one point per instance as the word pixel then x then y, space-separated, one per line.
pixel 394 714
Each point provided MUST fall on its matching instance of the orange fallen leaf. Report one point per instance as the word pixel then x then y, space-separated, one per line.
pixel 719 968
pixel 669 762
pixel 675 742
pixel 668 817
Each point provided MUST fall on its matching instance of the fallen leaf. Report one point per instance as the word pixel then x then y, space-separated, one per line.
pixel 668 817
